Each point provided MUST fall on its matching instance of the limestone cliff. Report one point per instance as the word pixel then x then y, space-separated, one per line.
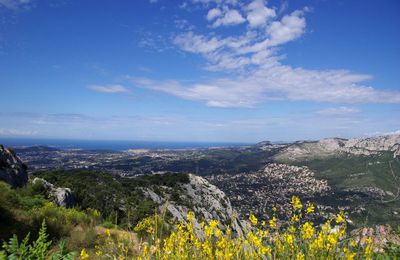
pixel 204 199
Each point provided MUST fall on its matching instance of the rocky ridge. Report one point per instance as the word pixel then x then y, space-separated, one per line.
pixel 334 146
pixel 205 200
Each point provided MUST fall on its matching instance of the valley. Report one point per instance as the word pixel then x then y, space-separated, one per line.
pixel 359 176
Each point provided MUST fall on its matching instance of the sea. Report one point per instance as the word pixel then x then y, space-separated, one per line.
pixel 113 145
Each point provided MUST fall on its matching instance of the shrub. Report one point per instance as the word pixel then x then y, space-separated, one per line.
pixel 60 220
pixel 37 250
pixel 273 239
pixel 81 238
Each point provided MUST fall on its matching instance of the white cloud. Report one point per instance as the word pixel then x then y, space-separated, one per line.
pixel 259 14
pixel 289 28
pixel 16 132
pixel 184 25
pixel 230 17
pixel 338 111
pixel 15 4
pixel 221 93
pixel 213 13
pixel 197 43
pixel 277 82
pixel 109 88
pixel 256 73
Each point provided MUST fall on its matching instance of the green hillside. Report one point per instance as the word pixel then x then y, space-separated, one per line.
pixel 372 182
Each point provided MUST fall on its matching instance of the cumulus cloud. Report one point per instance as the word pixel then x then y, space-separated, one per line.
pixel 213 13
pixel 109 88
pixel 289 28
pixel 230 17
pixel 259 14
pixel 256 73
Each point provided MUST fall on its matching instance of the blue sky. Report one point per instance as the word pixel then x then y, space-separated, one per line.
pixel 199 70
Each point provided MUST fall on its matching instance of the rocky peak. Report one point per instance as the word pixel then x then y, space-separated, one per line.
pixel 378 143
pixel 12 170
pixel 356 146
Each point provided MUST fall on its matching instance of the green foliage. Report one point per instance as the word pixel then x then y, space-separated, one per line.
pixel 15 217
pixel 120 200
pixel 108 224
pixel 62 253
pixel 393 251
pixel 37 250
pixel 60 220
pixel 40 247
pixel 24 209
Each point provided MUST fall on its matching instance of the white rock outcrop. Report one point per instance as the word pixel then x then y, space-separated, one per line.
pixel 205 200
pixel 62 196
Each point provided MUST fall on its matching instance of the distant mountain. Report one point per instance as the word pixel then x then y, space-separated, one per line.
pixel 332 146
pixel 36 148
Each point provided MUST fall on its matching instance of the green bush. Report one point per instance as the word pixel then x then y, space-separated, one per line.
pixel 61 220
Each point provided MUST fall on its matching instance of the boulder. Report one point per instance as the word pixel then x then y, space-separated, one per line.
pixel 62 196
pixel 12 170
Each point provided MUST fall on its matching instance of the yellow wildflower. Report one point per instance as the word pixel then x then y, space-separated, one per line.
pixel 213 224
pixel 368 248
pixel 272 222
pixel 340 218
pixel 300 256
pixel 292 229
pixel 253 219
pixel 295 218
pixel 107 232
pixel 348 255
pixel 190 216
pixel 307 231
pixel 310 209
pixel 289 239
pixel 84 255
pixel 296 203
